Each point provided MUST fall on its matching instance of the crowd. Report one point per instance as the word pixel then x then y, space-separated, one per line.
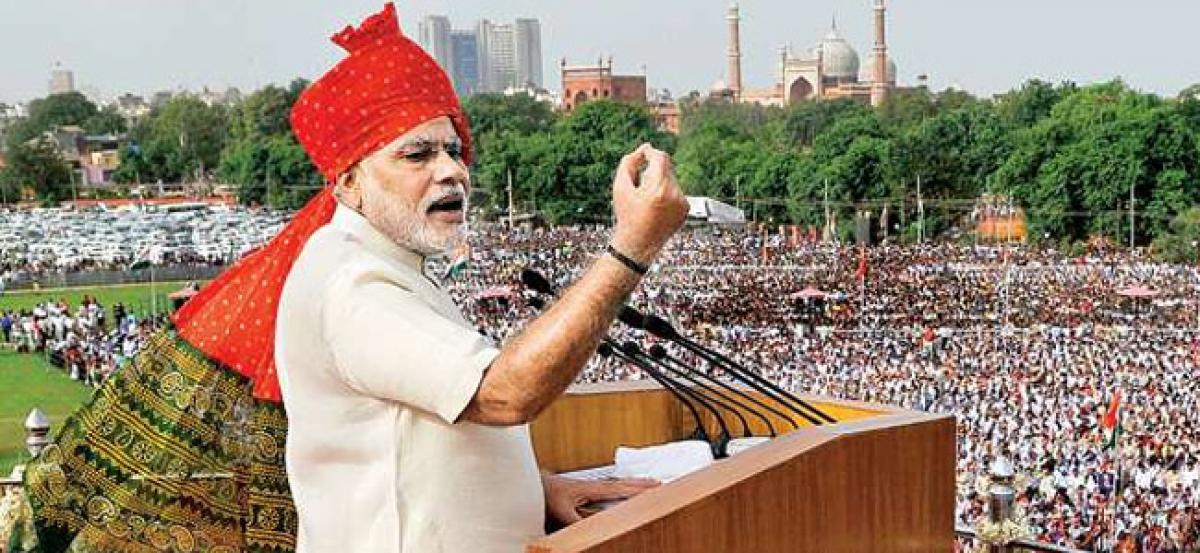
pixel 85 341
pixel 1027 347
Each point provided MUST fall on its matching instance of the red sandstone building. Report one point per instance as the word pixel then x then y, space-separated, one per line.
pixel 583 83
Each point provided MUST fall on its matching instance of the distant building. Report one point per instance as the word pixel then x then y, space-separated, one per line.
pixel 464 66
pixel 527 36
pixel 160 98
pixel 831 70
pixel 435 38
pixel 131 107
pixel 62 81
pixel 498 56
pixel 581 84
pixel 228 97
pixel 539 94
pixel 492 58
pixel 93 157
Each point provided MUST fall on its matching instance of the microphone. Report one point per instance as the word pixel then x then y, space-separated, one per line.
pixel 632 355
pixel 720 400
pixel 610 349
pixel 660 353
pixel 631 318
pixel 661 328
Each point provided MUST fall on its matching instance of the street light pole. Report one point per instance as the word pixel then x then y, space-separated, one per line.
pixel 1131 208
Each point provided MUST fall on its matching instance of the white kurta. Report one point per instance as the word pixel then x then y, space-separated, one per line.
pixel 375 364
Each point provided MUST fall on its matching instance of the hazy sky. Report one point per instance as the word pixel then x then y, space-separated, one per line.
pixel 141 46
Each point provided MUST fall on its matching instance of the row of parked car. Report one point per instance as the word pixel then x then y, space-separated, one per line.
pixel 66 239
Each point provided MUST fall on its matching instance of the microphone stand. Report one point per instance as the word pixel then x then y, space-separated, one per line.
pixel 720 400
pixel 659 353
pixel 611 348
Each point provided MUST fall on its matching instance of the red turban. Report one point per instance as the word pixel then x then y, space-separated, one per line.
pixel 384 88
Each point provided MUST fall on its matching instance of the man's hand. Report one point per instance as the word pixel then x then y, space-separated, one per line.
pixel 649 205
pixel 564 496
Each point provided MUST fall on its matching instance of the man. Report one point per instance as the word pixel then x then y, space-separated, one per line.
pixel 406 426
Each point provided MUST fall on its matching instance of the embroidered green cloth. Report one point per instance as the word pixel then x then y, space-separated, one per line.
pixel 171 454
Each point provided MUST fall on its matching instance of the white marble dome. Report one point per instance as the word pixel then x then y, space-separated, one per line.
pixel 838 58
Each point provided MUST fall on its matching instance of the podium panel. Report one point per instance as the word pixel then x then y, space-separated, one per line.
pixel 882 480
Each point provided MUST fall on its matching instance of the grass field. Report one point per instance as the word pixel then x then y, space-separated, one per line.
pixel 28 381
pixel 137 298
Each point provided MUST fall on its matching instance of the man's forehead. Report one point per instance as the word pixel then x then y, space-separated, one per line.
pixel 435 130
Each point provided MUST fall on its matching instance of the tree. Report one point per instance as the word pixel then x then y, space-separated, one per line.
pixel 1180 242
pixel 1034 100
pixel 499 113
pixel 181 141
pixel 71 108
pixel 262 155
pixel 501 127
pixel 106 121
pixel 567 172
pixel 272 171
pixel 36 164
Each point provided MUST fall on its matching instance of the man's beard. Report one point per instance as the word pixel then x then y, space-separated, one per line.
pixel 406 225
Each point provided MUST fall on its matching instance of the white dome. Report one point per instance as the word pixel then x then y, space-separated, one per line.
pixel 838 58
pixel 868 72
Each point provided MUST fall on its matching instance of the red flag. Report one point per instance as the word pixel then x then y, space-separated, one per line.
pixel 1110 418
pixel 861 273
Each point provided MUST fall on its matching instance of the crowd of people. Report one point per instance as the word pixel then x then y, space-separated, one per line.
pixel 1026 347
pixel 84 340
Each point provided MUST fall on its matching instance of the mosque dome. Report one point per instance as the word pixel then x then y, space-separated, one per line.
pixel 868 72
pixel 838 58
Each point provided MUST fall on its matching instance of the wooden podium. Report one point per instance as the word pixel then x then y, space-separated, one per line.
pixel 882 479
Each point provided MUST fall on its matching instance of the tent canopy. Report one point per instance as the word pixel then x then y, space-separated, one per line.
pixel 1138 291
pixel 809 293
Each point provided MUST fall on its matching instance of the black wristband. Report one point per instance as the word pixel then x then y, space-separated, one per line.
pixel 627 261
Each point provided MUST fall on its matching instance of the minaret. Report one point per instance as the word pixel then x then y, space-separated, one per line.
pixel 879 85
pixel 735 52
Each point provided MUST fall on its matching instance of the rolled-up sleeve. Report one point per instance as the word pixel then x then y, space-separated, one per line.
pixel 389 343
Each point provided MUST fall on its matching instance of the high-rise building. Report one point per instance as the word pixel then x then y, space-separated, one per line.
pixel 528 38
pixel 493 57
pixel 62 81
pixel 435 39
pixel 464 53
pixel 498 53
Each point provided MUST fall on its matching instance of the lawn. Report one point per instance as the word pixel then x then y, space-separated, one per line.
pixel 28 381
pixel 135 297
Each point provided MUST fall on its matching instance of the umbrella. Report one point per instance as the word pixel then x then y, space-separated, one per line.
pixel 809 293
pixel 493 293
pixel 1138 291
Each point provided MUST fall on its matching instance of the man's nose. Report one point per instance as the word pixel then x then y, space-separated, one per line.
pixel 448 170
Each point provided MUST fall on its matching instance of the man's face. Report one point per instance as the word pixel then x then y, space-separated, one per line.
pixel 415 189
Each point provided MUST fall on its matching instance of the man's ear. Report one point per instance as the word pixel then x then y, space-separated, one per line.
pixel 348 190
